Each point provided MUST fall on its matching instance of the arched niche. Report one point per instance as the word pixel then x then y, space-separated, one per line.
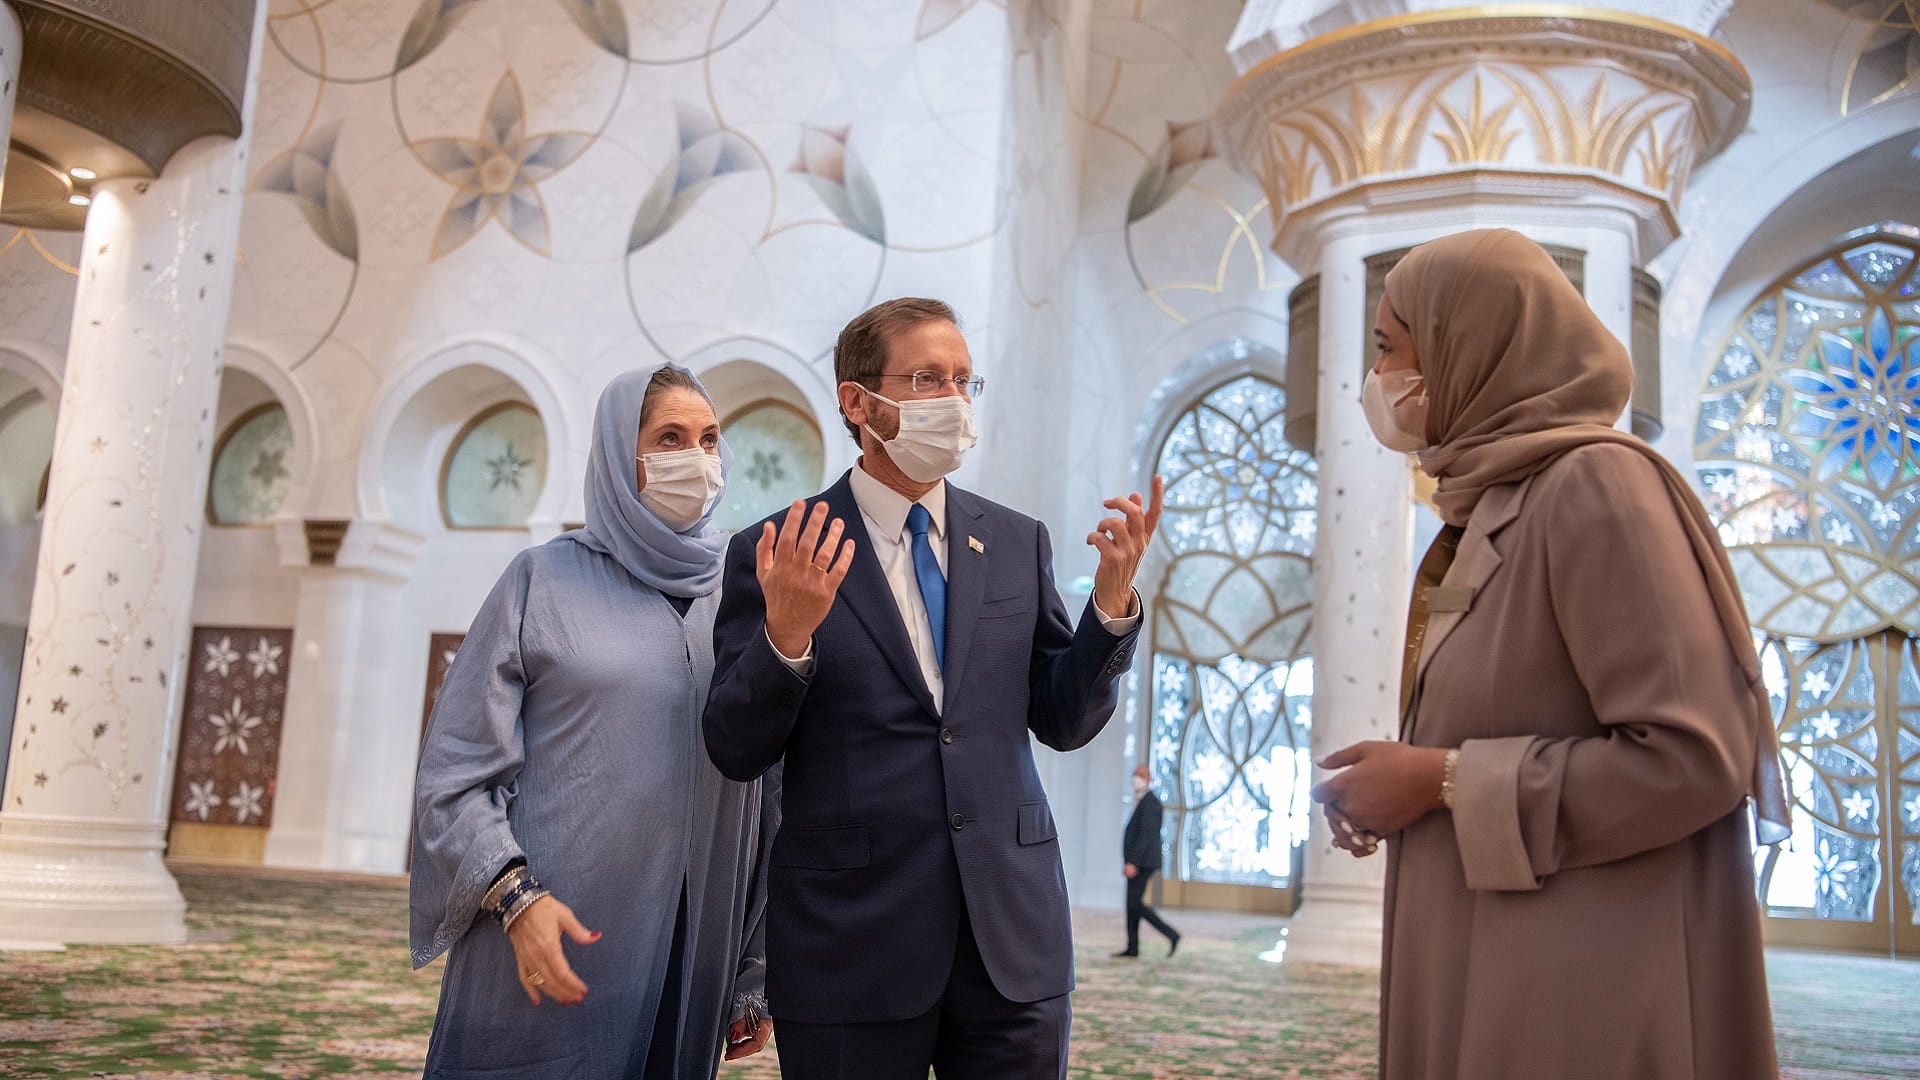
pixel 26 448
pixel 425 413
pixel 778 443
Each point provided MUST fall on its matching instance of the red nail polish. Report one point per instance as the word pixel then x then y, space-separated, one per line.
pixel 596 935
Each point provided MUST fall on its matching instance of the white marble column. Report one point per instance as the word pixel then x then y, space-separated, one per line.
pixel 1362 576
pixel 84 818
pixel 347 753
pixel 9 73
pixel 1419 74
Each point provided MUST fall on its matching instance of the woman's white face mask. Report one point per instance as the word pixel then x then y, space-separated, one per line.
pixel 682 485
pixel 1396 408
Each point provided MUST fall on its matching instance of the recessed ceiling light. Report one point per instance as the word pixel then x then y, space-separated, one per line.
pixel 78 200
pixel 81 172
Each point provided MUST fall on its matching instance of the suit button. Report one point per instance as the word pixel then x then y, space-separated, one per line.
pixel 946 736
pixel 959 821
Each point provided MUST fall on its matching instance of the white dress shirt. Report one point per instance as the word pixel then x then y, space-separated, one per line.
pixel 884 512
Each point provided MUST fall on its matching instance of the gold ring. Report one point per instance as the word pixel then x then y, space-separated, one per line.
pixel 534 978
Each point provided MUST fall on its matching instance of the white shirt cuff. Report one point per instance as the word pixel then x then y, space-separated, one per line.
pixel 801 665
pixel 1117 627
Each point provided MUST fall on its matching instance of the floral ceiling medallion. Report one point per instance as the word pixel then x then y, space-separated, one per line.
pixel 498 174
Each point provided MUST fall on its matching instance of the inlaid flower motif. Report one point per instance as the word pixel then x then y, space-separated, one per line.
pixel 221 657
pixel 233 727
pixel 841 181
pixel 265 658
pixel 201 798
pixel 706 153
pixel 504 468
pixel 306 173
pixel 269 466
pixel 1861 404
pixel 766 469
pixel 1858 806
pixel 246 801
pixel 1832 872
pixel 497 175
pixel 1186 147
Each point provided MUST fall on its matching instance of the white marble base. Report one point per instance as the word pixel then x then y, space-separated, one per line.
pixel 1336 924
pixel 73 880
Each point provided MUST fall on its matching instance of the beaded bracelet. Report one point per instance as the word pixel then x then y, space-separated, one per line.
pixel 1446 778
pixel 505 883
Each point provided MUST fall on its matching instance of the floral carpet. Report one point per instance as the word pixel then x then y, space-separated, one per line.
pixel 302 976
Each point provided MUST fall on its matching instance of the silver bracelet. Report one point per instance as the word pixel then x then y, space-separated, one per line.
pixel 1446 778
pixel 505 885
pixel 520 904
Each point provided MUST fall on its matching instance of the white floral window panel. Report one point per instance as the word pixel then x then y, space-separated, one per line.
pixel 496 471
pixel 1232 711
pixel 252 468
pixel 777 458
pixel 26 445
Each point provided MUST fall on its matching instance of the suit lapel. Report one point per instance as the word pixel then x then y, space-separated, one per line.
pixel 966 582
pixel 867 594
pixel 1475 563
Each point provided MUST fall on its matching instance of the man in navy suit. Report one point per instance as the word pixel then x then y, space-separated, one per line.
pixel 894 645
pixel 1140 849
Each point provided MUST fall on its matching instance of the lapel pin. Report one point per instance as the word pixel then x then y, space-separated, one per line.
pixel 974 543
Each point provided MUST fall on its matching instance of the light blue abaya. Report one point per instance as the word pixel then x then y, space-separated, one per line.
pixel 567 733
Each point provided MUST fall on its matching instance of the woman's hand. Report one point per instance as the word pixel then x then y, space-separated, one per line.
pixel 1347 837
pixel 743 1043
pixel 1386 787
pixel 536 949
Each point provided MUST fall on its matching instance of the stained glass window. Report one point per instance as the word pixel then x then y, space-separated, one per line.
pixel 252 469
pixel 1808 443
pixel 777 458
pixel 1232 680
pixel 497 469
pixel 26 446
pixel 1808 454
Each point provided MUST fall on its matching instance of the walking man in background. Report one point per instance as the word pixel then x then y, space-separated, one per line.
pixel 1142 851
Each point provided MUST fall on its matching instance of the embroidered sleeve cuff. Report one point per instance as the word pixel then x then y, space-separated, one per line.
pixel 1486 815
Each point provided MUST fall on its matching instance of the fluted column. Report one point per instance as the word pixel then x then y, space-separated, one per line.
pixel 1577 126
pixel 84 818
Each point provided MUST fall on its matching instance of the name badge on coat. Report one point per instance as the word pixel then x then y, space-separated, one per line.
pixel 1449 598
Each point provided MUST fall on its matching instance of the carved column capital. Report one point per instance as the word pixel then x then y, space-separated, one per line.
pixel 1527 98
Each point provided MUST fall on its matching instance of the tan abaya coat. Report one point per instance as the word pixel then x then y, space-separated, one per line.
pixel 1586 911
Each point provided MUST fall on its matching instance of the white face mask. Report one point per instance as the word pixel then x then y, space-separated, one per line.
pixel 934 435
pixel 1396 408
pixel 1140 785
pixel 682 485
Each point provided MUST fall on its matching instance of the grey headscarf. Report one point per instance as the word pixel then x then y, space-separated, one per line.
pixel 619 524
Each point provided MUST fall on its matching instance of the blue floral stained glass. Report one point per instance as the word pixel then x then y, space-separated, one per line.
pixel 1232 679
pixel 1808 454
pixel 1808 443
pixel 777 458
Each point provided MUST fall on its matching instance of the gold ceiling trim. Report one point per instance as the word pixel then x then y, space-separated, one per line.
pixel 1482 14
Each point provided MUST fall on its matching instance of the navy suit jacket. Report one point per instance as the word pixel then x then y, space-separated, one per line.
pixel 899 820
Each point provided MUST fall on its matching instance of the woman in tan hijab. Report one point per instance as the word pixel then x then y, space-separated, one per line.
pixel 1570 887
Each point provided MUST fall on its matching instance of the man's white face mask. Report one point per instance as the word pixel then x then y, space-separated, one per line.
pixel 682 485
pixel 1140 785
pixel 935 433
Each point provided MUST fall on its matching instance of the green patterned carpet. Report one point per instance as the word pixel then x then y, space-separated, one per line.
pixel 294 976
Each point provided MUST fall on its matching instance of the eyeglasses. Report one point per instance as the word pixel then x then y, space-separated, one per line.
pixel 928 382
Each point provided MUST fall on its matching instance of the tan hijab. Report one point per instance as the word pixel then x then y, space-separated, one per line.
pixel 1518 372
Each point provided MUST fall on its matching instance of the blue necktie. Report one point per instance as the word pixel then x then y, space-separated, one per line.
pixel 933 586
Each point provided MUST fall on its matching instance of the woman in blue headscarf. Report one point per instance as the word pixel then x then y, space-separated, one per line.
pixel 563 785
